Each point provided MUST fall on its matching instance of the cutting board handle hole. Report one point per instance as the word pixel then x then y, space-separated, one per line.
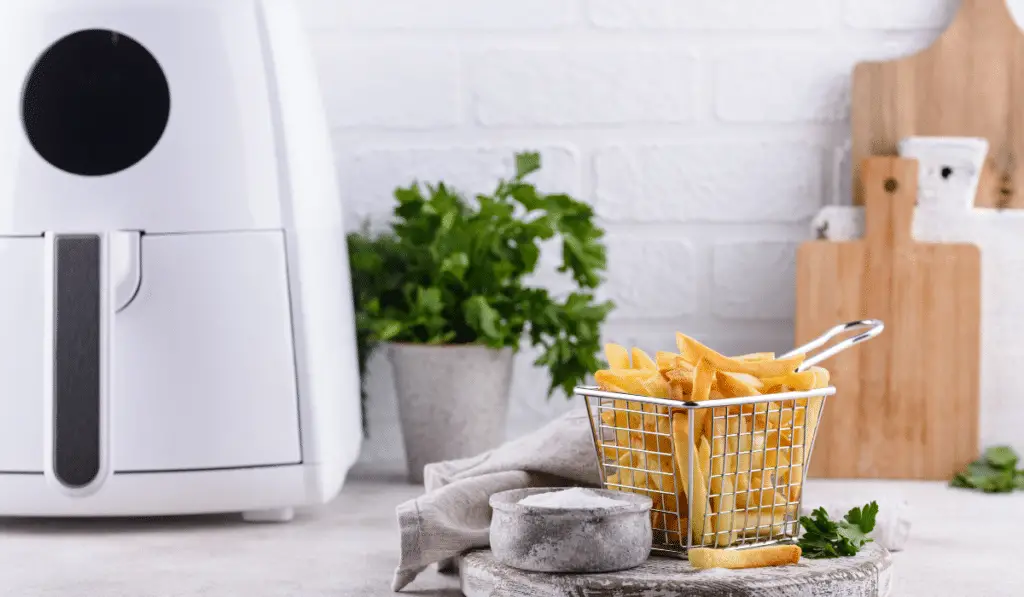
pixel 891 185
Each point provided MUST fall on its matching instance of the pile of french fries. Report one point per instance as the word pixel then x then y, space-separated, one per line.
pixel 753 454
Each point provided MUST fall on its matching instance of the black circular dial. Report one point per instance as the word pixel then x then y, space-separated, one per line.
pixel 95 103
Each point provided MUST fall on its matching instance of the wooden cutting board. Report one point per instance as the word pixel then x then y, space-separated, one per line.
pixel 969 83
pixel 907 403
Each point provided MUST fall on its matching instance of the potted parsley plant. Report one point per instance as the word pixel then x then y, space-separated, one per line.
pixel 445 290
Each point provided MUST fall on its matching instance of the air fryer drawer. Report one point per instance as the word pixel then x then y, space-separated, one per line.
pixel 203 364
pixel 21 355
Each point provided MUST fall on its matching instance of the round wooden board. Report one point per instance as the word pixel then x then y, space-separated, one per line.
pixel 868 574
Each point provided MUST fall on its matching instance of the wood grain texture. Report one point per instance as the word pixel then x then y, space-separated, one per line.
pixel 907 403
pixel 869 573
pixel 968 83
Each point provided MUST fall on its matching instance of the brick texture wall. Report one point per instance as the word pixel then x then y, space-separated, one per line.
pixel 705 132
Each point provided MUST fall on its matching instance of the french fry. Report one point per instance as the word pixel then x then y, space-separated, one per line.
pixel 665 360
pixel 629 381
pixel 734 387
pixel 754 382
pixel 725 516
pixel 702 380
pixel 620 420
pixel 617 356
pixel 626 415
pixel 704 517
pixel 754 557
pixel 654 385
pixel 698 498
pixel 668 500
pixel 642 361
pixel 639 431
pixel 723 495
pixel 756 356
pixel 680 383
pixel 693 351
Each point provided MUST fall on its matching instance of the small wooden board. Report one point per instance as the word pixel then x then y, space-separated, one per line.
pixel 868 574
pixel 906 405
pixel 969 83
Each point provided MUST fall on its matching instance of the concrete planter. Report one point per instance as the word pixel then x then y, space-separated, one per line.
pixel 452 400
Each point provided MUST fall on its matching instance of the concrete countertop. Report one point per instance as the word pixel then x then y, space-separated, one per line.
pixel 962 543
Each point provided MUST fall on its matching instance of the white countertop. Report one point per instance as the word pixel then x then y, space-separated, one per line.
pixel 962 543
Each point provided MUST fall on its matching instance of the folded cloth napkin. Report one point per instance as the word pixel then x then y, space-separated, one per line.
pixel 454 514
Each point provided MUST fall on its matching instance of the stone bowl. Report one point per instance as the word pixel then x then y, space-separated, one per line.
pixel 538 539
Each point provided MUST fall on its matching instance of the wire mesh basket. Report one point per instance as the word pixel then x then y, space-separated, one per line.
pixel 746 464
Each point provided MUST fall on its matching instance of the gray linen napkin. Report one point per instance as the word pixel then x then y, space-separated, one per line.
pixel 454 516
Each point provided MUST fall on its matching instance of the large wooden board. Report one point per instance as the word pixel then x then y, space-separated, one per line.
pixel 907 403
pixel 969 83
pixel 867 574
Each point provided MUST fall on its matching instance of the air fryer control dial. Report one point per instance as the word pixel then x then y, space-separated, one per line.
pixel 95 103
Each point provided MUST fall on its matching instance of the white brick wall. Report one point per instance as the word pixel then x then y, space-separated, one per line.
pixel 709 181
pixel 715 15
pixel 705 132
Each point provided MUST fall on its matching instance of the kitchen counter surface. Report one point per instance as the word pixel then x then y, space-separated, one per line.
pixel 962 543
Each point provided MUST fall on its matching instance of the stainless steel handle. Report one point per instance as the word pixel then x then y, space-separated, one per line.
pixel 874 328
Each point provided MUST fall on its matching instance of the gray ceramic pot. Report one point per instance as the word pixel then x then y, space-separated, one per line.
pixel 452 400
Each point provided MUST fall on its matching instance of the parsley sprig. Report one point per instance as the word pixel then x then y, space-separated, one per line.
pixel 995 472
pixel 825 538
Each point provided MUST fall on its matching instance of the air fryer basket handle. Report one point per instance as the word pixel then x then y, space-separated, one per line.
pixel 78 347
pixel 874 327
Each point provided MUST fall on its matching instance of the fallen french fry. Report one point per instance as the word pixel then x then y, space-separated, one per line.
pixel 754 557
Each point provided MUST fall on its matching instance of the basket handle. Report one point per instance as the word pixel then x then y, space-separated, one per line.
pixel 874 328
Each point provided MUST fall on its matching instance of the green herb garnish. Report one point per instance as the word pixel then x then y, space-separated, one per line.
pixel 825 538
pixel 995 472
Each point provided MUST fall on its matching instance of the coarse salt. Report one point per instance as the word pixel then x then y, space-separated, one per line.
pixel 575 498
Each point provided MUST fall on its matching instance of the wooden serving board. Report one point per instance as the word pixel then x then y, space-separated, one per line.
pixel 969 83
pixel 998 234
pixel 867 574
pixel 907 404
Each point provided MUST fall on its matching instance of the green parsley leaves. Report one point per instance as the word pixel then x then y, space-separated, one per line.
pixel 825 538
pixel 995 472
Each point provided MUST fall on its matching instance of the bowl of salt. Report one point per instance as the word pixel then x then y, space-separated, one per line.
pixel 555 529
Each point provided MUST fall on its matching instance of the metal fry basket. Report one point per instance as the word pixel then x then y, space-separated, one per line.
pixel 740 484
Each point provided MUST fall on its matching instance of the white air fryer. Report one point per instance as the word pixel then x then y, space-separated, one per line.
pixel 176 333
